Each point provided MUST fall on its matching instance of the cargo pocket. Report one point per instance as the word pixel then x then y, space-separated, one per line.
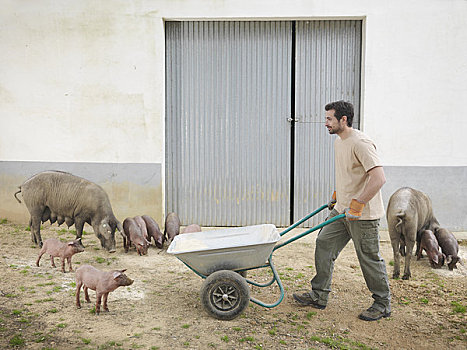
pixel 370 237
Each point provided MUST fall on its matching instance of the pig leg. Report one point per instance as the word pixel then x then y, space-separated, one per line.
pixel 53 262
pixel 106 309
pixel 79 224
pixel 86 295
pixel 397 260
pixel 410 233
pixel 408 256
pixel 78 289
pixel 36 228
pixel 98 303
pixel 69 264
pixel 63 264
pixel 395 243
pixel 40 256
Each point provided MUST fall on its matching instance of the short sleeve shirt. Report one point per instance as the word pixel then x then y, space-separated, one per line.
pixel 354 157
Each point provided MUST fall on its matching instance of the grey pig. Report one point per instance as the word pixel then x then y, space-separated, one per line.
pixel 429 243
pixel 192 228
pixel 55 248
pixel 75 199
pixel 154 231
pixel 134 235
pixel 171 227
pixel 103 282
pixel 449 246
pixel 409 212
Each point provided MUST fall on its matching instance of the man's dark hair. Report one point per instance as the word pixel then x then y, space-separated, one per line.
pixel 341 108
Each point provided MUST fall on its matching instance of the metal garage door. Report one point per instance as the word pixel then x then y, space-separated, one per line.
pixel 231 153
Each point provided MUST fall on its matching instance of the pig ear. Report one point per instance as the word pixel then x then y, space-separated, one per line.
pixel 71 243
pixel 116 274
pixel 122 271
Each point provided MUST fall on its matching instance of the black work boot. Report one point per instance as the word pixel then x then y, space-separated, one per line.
pixel 372 314
pixel 305 299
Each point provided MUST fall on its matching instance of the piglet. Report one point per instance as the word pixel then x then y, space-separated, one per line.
pixel 191 228
pixel 449 246
pixel 172 226
pixel 103 282
pixel 55 248
pixel 134 235
pixel 142 226
pixel 154 231
pixel 429 243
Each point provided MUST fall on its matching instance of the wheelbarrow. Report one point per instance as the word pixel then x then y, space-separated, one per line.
pixel 223 257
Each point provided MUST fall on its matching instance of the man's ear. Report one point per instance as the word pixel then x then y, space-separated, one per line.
pixel 344 119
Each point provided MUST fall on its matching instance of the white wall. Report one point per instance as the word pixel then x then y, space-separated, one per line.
pixel 84 80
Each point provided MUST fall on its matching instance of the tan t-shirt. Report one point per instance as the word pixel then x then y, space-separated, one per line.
pixel 354 156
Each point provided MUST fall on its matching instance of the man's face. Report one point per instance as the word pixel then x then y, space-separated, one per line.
pixel 334 126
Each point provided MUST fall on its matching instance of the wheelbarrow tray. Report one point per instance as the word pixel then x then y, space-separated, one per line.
pixel 226 249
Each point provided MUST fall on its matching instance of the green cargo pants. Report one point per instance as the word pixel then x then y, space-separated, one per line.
pixel 330 242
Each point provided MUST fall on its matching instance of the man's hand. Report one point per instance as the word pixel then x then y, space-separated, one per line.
pixel 354 212
pixel 332 202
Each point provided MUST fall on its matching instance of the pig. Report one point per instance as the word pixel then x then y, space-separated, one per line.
pixel 103 282
pixel 171 227
pixel 191 228
pixel 55 248
pixel 154 231
pixel 133 235
pixel 429 243
pixel 449 246
pixel 408 213
pixel 75 200
pixel 142 226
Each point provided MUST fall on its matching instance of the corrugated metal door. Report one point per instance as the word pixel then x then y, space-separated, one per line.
pixel 328 59
pixel 227 135
pixel 228 96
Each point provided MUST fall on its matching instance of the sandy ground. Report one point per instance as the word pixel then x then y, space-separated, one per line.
pixel 162 309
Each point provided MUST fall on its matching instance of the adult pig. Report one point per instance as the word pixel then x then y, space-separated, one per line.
pixel 64 251
pixel 429 243
pixel 154 231
pixel 192 228
pixel 134 235
pixel 103 282
pixel 75 199
pixel 449 246
pixel 172 226
pixel 408 213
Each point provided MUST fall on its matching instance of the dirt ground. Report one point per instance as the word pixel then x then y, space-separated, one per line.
pixel 162 309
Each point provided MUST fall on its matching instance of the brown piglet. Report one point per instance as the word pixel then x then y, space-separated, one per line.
pixel 449 246
pixel 134 235
pixel 429 243
pixel 154 231
pixel 172 226
pixel 192 228
pixel 55 248
pixel 142 226
pixel 103 282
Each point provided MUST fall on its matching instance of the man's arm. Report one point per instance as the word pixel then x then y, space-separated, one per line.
pixel 376 180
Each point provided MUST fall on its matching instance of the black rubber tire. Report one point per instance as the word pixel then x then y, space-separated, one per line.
pixel 225 294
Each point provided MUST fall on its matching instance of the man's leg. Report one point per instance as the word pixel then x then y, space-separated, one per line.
pixel 365 235
pixel 329 243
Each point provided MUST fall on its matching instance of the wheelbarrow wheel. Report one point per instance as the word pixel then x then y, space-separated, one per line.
pixel 225 294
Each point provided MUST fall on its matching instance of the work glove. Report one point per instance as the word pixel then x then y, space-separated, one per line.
pixel 354 212
pixel 332 202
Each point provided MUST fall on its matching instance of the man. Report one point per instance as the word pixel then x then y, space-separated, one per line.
pixel 359 178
